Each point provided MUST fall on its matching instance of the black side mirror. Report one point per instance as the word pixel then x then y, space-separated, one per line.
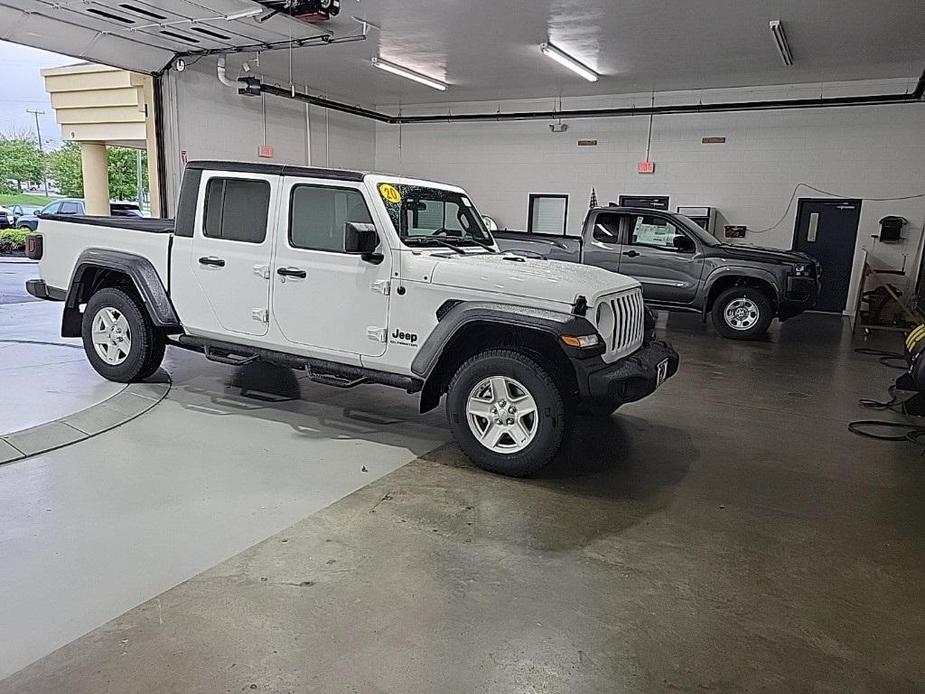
pixel 684 244
pixel 362 239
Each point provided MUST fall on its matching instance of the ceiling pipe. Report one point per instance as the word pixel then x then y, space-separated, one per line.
pixel 680 109
pixel 222 76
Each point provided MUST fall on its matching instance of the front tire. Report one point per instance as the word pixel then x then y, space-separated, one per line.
pixel 742 313
pixel 121 342
pixel 506 412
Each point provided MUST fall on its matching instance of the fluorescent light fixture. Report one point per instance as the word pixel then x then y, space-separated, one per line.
pixel 568 61
pixel 244 14
pixel 780 41
pixel 408 74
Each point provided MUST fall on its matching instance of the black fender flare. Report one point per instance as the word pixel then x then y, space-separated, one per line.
pixel 455 316
pixel 744 271
pixel 138 269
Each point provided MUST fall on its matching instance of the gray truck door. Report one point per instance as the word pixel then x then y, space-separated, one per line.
pixel 662 256
pixel 602 243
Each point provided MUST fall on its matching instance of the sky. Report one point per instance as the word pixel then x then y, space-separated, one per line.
pixel 22 88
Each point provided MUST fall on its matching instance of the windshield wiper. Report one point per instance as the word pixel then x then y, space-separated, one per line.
pixel 486 246
pixel 431 239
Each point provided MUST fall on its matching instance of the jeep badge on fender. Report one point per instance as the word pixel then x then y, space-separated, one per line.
pixel 400 337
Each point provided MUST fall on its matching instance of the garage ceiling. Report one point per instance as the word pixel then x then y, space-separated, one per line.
pixel 488 49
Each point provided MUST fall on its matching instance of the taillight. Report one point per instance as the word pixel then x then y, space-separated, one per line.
pixel 34 246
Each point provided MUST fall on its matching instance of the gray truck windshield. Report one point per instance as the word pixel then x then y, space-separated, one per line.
pixel 705 237
pixel 433 217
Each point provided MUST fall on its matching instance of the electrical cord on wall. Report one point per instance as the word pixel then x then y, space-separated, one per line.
pixel 797 187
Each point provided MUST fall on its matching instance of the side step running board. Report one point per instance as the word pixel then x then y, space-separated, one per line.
pixel 336 381
pixel 320 370
pixel 226 358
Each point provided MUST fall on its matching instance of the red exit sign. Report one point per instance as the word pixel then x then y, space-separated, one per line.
pixel 265 151
pixel 645 167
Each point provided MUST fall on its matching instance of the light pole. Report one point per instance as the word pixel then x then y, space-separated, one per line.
pixel 38 134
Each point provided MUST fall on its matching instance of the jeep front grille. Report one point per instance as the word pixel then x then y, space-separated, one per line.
pixel 619 318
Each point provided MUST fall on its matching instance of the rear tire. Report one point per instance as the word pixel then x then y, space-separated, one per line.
pixel 742 313
pixel 121 342
pixel 506 412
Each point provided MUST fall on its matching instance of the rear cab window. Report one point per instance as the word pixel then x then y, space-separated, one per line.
pixel 236 209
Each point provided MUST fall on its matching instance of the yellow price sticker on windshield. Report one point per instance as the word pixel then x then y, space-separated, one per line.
pixel 389 193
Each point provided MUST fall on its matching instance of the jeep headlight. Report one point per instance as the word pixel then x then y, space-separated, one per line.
pixel 581 341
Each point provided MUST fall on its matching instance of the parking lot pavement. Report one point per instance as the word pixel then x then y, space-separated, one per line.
pixel 13 275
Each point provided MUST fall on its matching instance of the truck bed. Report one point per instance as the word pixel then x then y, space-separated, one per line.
pixel 154 226
pixel 67 237
pixel 550 246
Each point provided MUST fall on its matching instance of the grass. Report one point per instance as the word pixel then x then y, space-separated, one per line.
pixel 23 199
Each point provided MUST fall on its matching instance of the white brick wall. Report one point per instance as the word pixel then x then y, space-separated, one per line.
pixel 211 121
pixel 861 152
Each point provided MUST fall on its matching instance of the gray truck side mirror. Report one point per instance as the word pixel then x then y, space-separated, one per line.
pixel 363 239
pixel 684 244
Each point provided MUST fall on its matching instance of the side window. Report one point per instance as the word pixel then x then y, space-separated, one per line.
pixel 607 228
pixel 318 215
pixel 654 231
pixel 69 208
pixel 236 209
pixel 548 214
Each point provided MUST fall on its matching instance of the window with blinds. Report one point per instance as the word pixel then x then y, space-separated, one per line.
pixel 548 214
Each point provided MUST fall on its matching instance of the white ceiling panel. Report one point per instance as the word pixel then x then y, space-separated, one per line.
pixel 489 49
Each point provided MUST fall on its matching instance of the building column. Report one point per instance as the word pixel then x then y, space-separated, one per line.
pixel 95 169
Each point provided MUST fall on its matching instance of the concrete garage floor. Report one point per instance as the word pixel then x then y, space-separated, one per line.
pixel 727 534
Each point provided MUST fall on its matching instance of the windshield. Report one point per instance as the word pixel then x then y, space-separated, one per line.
pixel 433 217
pixel 705 237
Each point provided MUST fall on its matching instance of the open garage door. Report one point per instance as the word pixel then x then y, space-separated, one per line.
pixel 140 35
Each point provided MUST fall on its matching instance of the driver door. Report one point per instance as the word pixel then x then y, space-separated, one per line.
pixel 324 297
pixel 662 256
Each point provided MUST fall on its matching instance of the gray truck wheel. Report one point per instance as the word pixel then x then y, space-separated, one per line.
pixel 506 412
pixel 121 343
pixel 742 313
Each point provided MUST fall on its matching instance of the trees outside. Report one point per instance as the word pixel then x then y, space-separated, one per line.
pixel 64 165
pixel 21 160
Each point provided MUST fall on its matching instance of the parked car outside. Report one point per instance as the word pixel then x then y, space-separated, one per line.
pixel 75 206
pixel 6 218
pixel 20 210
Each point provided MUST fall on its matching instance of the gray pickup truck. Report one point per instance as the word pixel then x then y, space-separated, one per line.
pixel 682 267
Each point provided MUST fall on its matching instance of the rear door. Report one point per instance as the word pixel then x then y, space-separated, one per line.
pixel 602 245
pixel 662 256
pixel 229 258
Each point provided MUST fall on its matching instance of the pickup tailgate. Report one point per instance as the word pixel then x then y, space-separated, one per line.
pixel 65 238
pixel 566 248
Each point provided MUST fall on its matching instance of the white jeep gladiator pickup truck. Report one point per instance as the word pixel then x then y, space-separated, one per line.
pixel 357 278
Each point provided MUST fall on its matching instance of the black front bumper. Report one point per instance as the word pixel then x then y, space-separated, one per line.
pixel 799 295
pixel 627 380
